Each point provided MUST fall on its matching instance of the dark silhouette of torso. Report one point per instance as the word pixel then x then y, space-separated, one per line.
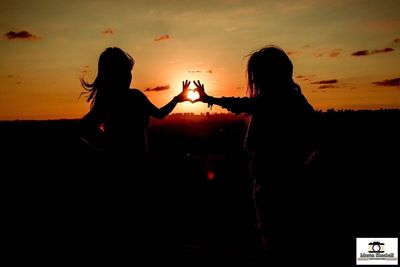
pixel 121 126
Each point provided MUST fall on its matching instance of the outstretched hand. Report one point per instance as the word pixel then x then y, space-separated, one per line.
pixel 183 96
pixel 200 90
pixel 193 96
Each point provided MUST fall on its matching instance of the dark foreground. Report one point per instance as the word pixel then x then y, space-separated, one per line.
pixel 62 203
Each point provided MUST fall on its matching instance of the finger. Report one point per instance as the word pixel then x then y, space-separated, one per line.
pixel 200 84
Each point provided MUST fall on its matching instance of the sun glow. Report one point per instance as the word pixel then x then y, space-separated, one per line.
pixel 175 80
pixel 193 95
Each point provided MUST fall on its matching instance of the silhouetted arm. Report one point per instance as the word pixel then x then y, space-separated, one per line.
pixel 235 104
pixel 161 113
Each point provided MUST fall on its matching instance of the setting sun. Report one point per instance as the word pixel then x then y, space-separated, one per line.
pixel 193 95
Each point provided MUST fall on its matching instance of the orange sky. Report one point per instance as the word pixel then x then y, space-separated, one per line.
pixel 345 53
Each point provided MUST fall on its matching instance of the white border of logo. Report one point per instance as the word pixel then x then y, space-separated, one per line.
pixel 376 251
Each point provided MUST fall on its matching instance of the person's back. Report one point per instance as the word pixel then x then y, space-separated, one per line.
pixel 279 131
pixel 279 141
pixel 125 126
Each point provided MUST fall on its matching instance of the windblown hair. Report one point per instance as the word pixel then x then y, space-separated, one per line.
pixel 113 76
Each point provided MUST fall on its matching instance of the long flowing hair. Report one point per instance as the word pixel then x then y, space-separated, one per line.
pixel 270 71
pixel 112 80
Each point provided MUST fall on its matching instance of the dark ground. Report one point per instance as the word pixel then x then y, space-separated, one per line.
pixel 56 200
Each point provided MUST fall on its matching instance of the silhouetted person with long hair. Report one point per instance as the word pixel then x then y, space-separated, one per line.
pixel 115 127
pixel 122 114
pixel 278 141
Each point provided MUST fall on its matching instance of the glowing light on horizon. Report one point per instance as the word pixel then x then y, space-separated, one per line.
pixel 193 95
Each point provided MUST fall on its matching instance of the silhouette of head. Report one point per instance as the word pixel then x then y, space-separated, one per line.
pixel 113 76
pixel 268 69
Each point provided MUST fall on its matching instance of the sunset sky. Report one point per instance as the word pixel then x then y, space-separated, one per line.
pixel 346 53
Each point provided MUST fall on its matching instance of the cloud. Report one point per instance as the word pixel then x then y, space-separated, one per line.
pixel 327 86
pixel 388 82
pixel 162 37
pixel 385 50
pixel 376 51
pixel 360 53
pixel 396 41
pixel 321 52
pixel 12 76
pixel 316 52
pixel 21 35
pixel 200 71
pixel 326 82
pixel 293 52
pixel 158 88
pixel 110 31
pixel 335 52
pixel 305 77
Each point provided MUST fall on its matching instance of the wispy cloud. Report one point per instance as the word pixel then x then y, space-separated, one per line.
pixel 109 31
pixel 158 88
pixel 305 77
pixel 11 76
pixel 200 71
pixel 367 52
pixel 360 53
pixel 162 38
pixel 327 86
pixel 326 82
pixel 316 52
pixel 388 82
pixel 328 52
pixel 293 52
pixel 24 35
pixel 335 52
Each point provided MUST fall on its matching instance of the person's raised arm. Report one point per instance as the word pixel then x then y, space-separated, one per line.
pixel 162 112
pixel 234 104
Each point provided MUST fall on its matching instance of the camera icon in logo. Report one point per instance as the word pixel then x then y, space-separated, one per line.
pixel 376 247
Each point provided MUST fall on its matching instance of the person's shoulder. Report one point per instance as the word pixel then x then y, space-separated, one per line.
pixel 135 92
pixel 137 96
